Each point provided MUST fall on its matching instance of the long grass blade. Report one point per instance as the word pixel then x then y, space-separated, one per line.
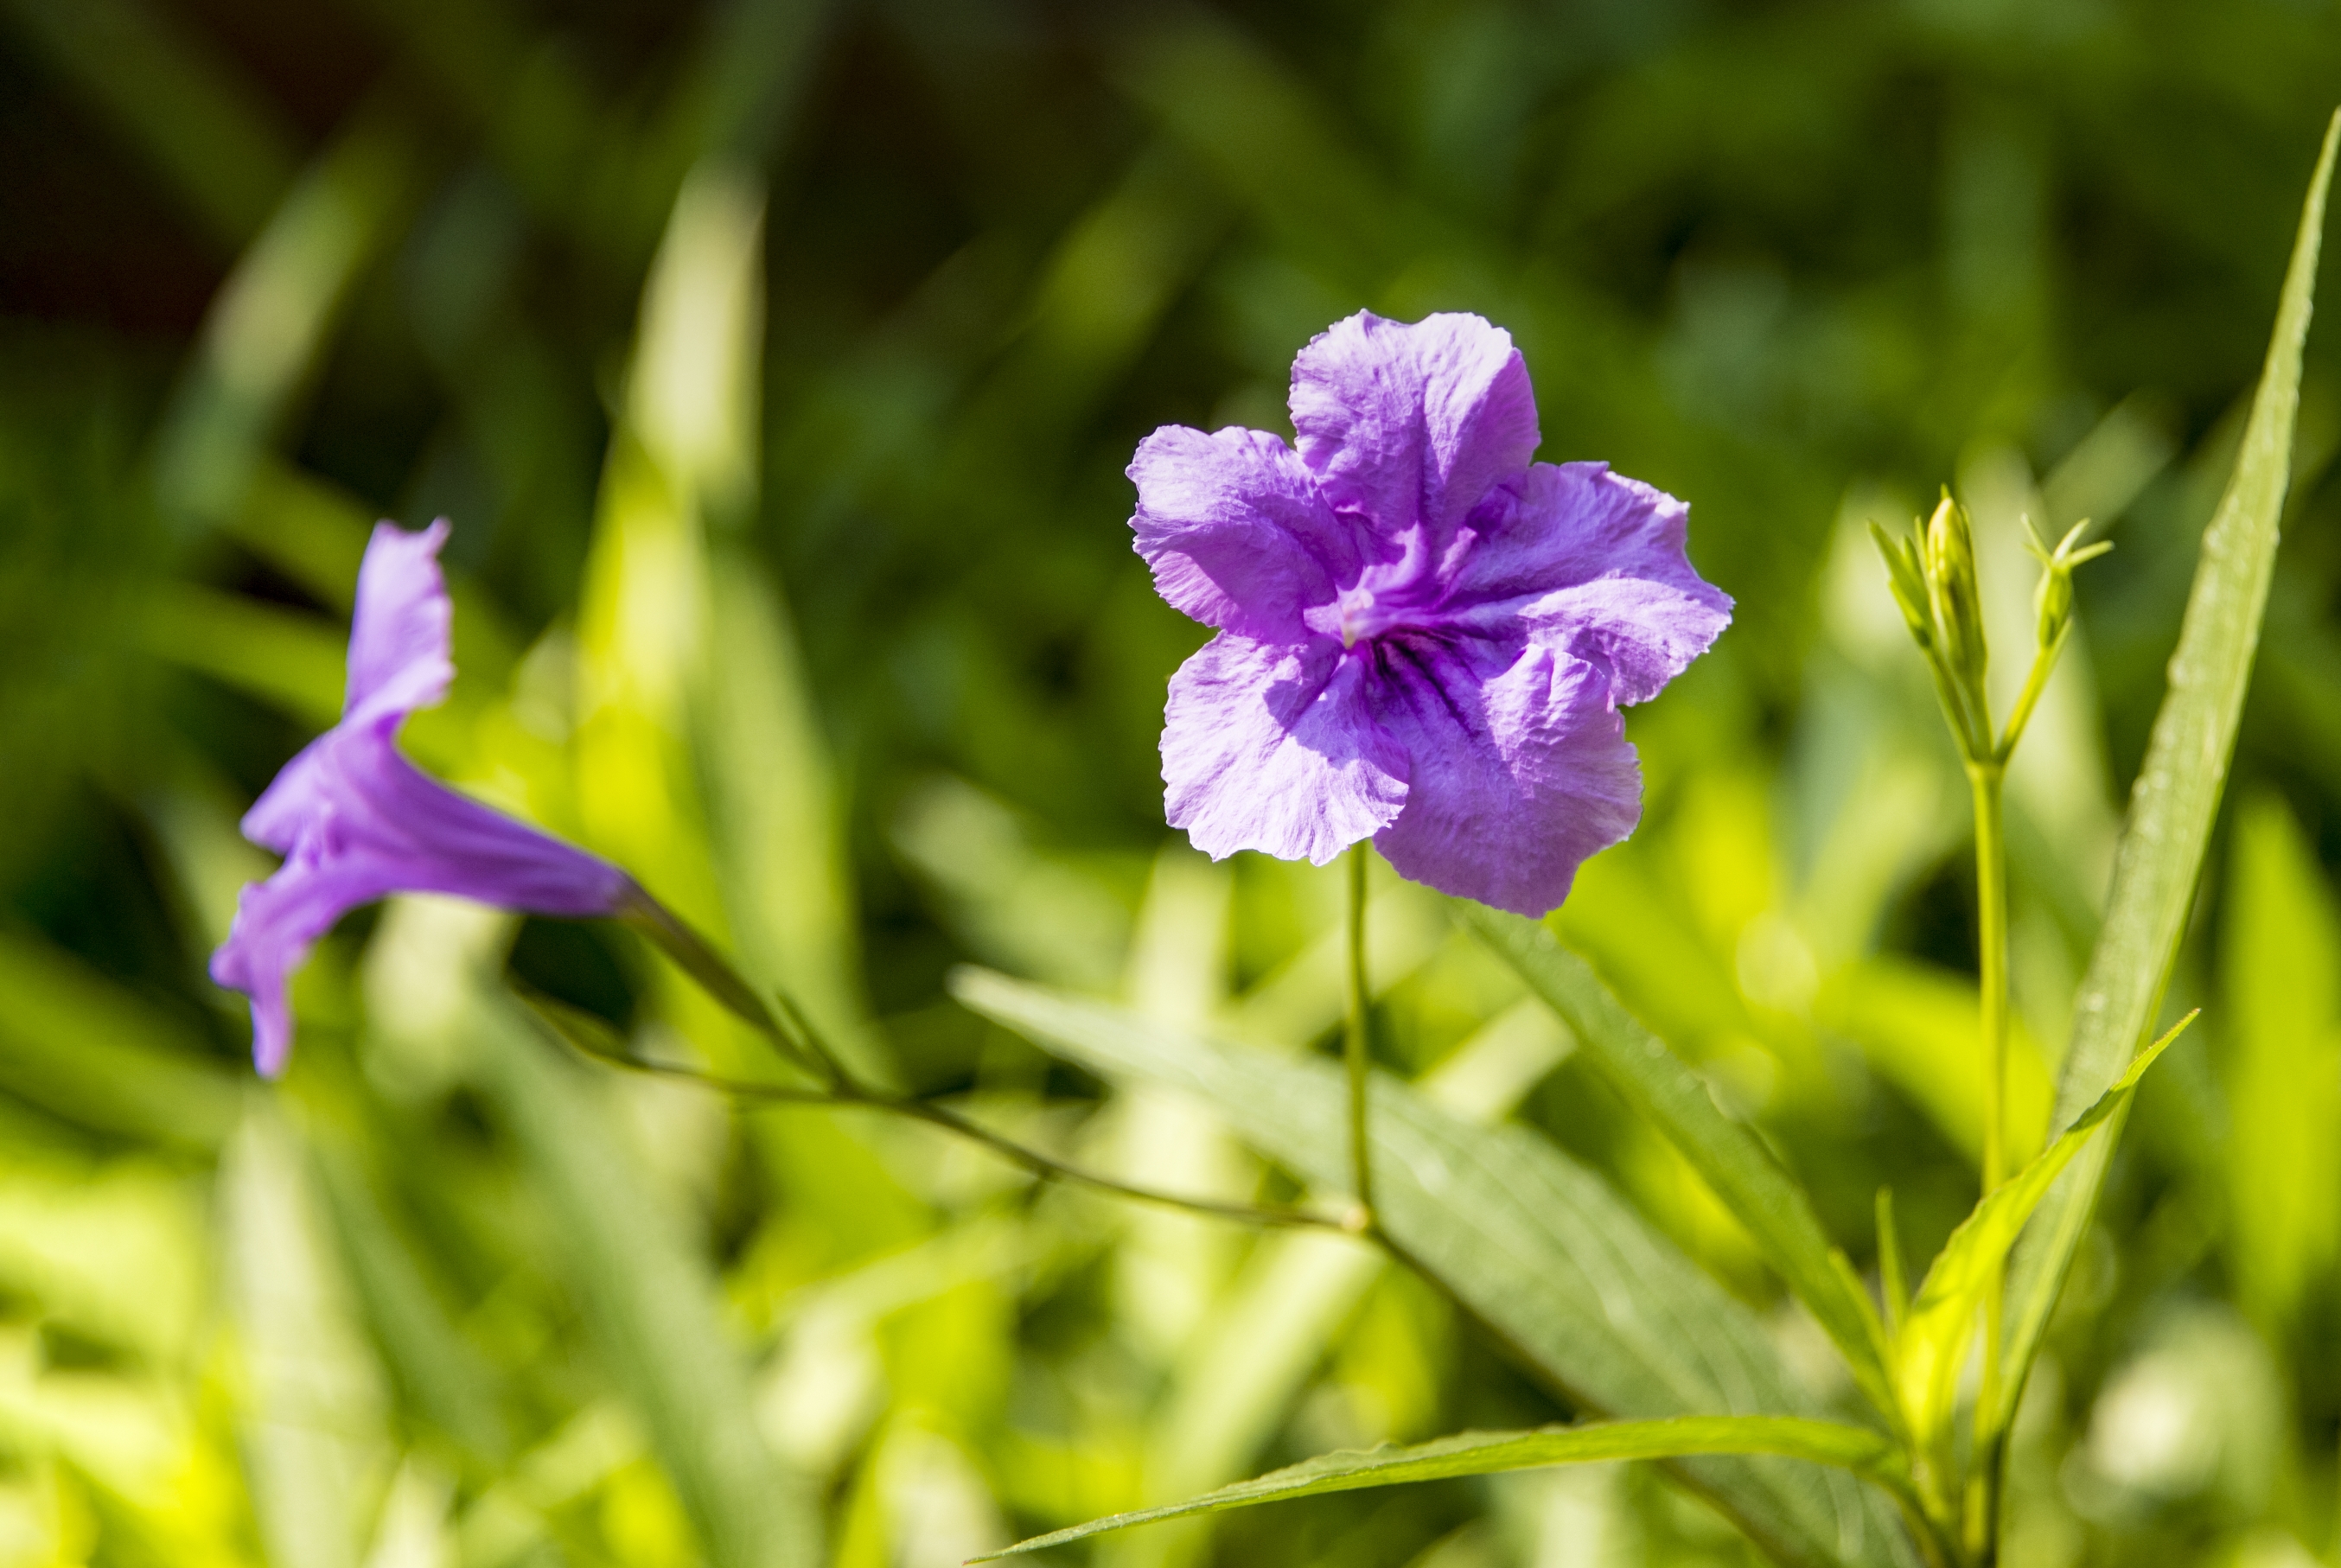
pixel 1726 1153
pixel 1866 1453
pixel 1538 1249
pixel 2176 797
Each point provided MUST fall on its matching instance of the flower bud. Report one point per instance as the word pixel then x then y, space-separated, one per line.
pixel 2053 602
pixel 1909 580
pixel 1951 589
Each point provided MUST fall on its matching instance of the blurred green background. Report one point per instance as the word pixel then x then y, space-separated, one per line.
pixel 777 362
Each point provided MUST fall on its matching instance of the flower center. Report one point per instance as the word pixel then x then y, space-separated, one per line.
pixel 1363 617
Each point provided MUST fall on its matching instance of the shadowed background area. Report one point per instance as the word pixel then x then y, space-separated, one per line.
pixel 777 362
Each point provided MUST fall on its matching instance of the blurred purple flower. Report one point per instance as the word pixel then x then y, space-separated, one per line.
pixel 355 820
pixel 1424 638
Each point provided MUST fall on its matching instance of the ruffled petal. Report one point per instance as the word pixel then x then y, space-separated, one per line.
pixel 1592 563
pixel 276 923
pixel 399 637
pixel 1236 533
pixel 1273 747
pixel 1411 424
pixel 296 797
pixel 1521 772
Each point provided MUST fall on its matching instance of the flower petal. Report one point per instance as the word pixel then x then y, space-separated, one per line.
pixel 1272 747
pixel 276 923
pixel 398 638
pixel 1591 562
pixel 294 799
pixel 358 822
pixel 1521 772
pixel 1411 424
pixel 1235 530
pixel 434 839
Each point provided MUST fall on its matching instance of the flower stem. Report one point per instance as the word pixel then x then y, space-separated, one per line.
pixel 1986 780
pixel 1353 1047
pixel 697 957
pixel 2035 681
pixel 589 1037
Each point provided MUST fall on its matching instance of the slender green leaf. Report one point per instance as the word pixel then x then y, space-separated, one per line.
pixel 75 1042
pixel 1537 1247
pixel 772 800
pixel 2176 796
pixel 315 1418
pixel 288 658
pixel 271 322
pixel 1934 1333
pixel 1735 1165
pixel 211 132
pixel 1853 1448
pixel 1891 1281
pixel 2281 959
pixel 453 1386
pixel 651 1304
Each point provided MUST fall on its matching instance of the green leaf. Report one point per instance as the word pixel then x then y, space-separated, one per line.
pixel 1864 1453
pixel 1727 1154
pixel 651 1302
pixel 273 318
pixel 287 658
pixel 1555 1267
pixel 211 135
pixel 450 1381
pixel 773 802
pixel 75 1043
pixel 1933 1341
pixel 302 1350
pixel 2176 797
pixel 2280 961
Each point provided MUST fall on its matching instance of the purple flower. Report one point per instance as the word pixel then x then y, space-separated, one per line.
pixel 355 820
pixel 1424 638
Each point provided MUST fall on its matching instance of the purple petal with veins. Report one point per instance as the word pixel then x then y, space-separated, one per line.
pixel 356 821
pixel 1425 636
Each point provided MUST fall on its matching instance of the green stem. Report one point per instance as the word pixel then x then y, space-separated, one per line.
pixel 848 1095
pixel 1991 922
pixel 1353 1047
pixel 2035 681
pixel 697 957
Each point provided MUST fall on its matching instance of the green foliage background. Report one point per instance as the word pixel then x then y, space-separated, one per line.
pixel 777 363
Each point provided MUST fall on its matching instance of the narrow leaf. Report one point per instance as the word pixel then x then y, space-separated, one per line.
pixel 131 1070
pixel 1891 1282
pixel 1933 1334
pixel 1737 1167
pixel 650 1301
pixel 2176 796
pixel 1864 1453
pixel 1560 1271
pixel 2280 963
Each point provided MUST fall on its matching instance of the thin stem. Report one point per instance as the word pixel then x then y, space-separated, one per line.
pixel 2035 681
pixel 1044 1165
pixel 854 1097
pixel 1353 1047
pixel 697 957
pixel 1991 922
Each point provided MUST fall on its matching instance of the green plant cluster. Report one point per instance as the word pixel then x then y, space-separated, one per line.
pixel 777 362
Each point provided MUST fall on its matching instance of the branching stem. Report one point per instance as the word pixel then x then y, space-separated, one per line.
pixel 847 1094
pixel 2035 681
